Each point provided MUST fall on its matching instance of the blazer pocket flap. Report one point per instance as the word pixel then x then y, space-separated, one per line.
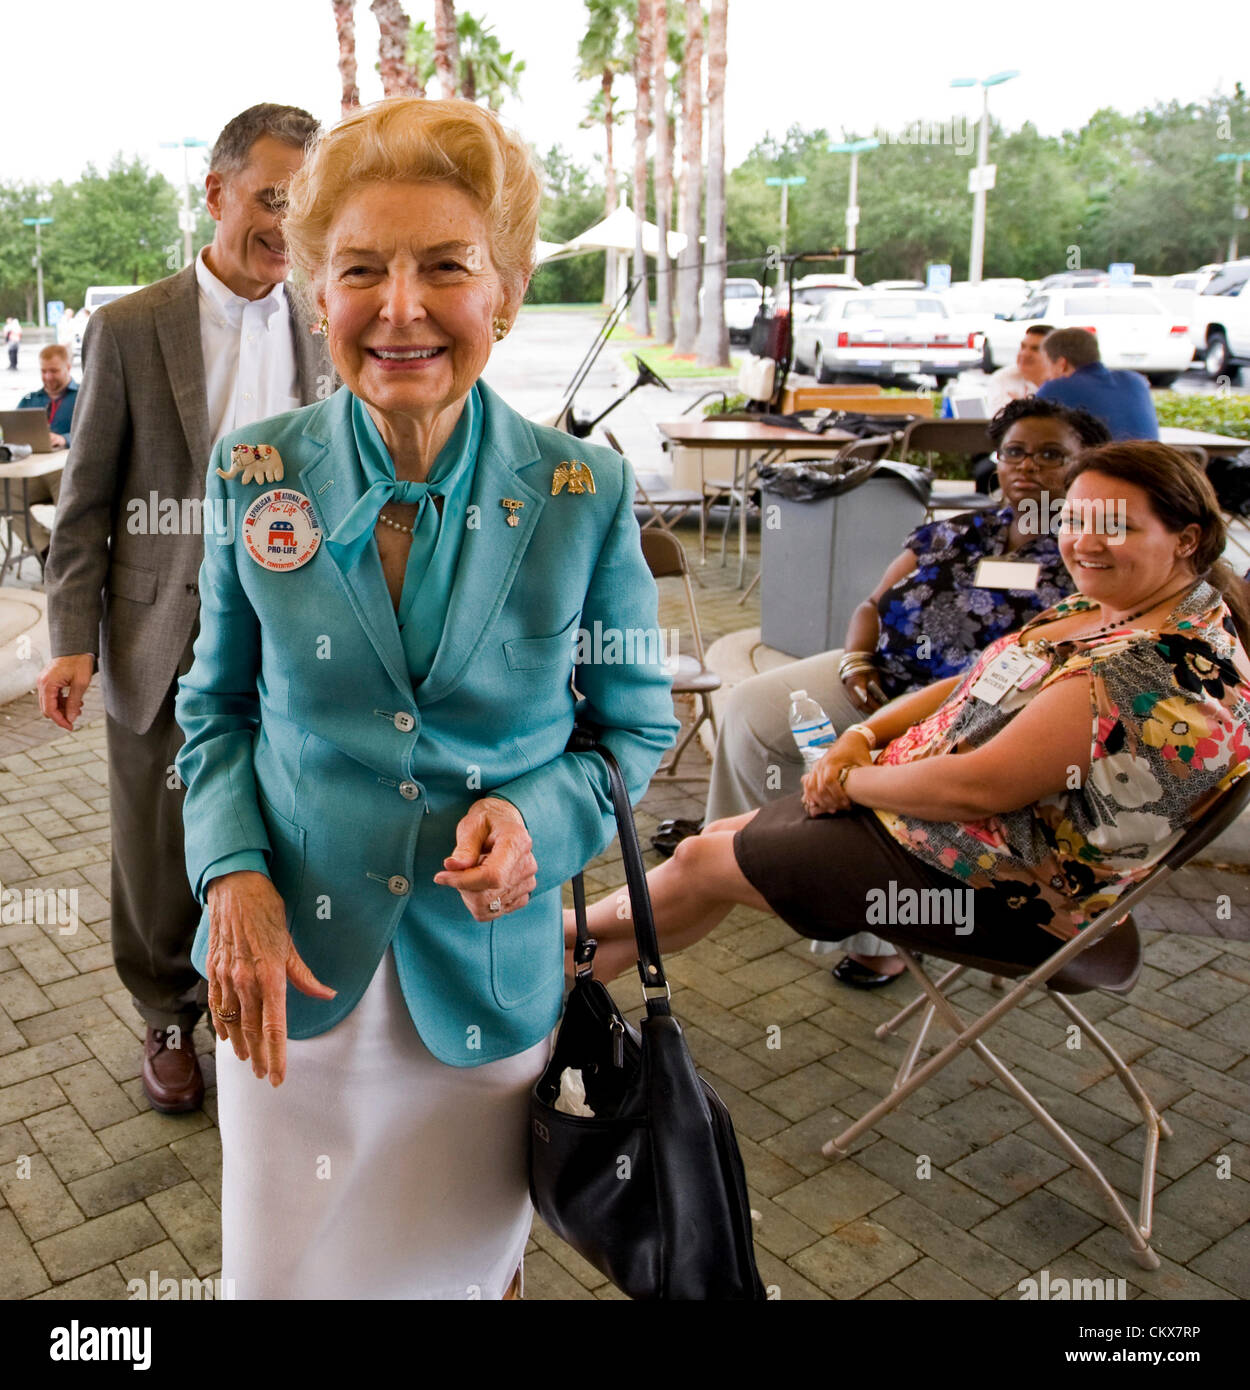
pixel 127 581
pixel 527 653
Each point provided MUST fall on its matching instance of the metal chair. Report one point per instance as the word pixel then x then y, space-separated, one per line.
pixel 667 505
pixel 1107 956
pixel 666 559
pixel 967 437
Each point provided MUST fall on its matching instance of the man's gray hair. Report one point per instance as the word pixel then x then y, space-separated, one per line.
pixel 290 124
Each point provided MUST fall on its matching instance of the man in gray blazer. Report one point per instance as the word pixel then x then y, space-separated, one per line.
pixel 166 372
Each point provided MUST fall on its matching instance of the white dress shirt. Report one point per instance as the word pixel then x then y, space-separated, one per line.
pixel 1007 384
pixel 249 354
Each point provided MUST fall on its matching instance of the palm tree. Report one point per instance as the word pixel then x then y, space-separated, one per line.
pixel 690 186
pixel 446 46
pixel 399 78
pixel 345 26
pixel 663 172
pixel 601 55
pixel 641 319
pixel 482 66
pixel 713 347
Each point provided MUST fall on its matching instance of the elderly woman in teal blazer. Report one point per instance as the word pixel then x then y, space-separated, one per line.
pixel 380 812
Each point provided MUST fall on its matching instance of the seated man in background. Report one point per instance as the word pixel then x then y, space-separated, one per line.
pixel 928 618
pixel 58 395
pixel 57 399
pixel 1015 383
pixel 1121 400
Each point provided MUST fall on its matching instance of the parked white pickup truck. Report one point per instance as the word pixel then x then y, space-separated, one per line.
pixel 1221 330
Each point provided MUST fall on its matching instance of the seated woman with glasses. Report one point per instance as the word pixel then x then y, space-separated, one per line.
pixel 1030 792
pixel 932 613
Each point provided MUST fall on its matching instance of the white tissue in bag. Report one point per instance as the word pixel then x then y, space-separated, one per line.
pixel 572 1097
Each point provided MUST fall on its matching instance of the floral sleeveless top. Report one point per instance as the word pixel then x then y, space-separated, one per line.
pixel 1169 731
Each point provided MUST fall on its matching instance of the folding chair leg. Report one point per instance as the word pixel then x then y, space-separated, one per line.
pixel 968 1035
pixel 705 716
pixel 885 1029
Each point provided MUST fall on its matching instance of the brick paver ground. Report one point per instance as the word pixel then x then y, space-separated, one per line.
pixel 959 1195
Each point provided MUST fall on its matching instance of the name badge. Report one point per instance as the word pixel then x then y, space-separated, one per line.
pixel 1013 670
pixel 280 530
pixel 1007 574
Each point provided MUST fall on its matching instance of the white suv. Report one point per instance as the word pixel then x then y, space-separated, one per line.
pixel 1223 339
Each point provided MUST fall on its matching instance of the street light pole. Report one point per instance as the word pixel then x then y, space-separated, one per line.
pixel 784 184
pixel 854 148
pixel 1239 212
pixel 983 178
pixel 186 217
pixel 37 223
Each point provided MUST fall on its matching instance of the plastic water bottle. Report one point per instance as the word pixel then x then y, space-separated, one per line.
pixel 811 727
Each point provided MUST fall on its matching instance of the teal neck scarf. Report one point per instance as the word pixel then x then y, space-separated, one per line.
pixel 350 538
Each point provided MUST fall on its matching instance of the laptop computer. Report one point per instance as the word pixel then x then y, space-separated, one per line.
pixel 29 426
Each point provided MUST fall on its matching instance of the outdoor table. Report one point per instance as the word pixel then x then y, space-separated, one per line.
pixel 745 437
pixel 15 478
pixel 1213 445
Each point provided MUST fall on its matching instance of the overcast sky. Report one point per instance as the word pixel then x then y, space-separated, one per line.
pixel 124 75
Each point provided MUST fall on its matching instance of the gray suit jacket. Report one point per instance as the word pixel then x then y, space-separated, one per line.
pixel 115 589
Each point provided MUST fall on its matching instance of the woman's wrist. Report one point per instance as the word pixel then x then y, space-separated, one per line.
pixel 864 731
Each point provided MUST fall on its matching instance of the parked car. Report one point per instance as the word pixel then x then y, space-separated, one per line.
pixel 1217 278
pixel 1135 329
pixel 811 291
pixel 1076 279
pixel 1221 332
pixel 898 285
pixel 987 299
pixel 742 301
pixel 886 335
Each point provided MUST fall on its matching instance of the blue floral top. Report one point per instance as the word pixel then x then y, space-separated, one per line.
pixel 936 621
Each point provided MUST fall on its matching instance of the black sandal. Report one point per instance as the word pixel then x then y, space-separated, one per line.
pixel 670 833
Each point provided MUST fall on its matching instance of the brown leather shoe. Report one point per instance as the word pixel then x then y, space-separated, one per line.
pixel 171 1075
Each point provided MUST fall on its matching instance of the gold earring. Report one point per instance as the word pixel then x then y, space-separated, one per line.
pixel 501 326
pixel 322 326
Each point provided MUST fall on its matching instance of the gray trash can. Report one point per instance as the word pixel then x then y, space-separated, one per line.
pixel 825 539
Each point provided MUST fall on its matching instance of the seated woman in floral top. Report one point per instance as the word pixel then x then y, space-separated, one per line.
pixel 930 616
pixel 1036 788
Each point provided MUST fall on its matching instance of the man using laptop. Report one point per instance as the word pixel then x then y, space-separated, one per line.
pixel 58 395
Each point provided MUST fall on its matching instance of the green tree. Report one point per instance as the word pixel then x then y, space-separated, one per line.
pixel 486 70
pixel 118 228
pixel 17 248
pixel 572 201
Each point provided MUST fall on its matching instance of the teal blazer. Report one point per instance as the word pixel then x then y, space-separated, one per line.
pixel 306 742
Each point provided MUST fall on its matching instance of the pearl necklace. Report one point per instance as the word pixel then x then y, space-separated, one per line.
pixel 394 525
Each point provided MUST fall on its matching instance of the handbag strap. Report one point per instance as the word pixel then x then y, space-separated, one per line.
pixel 655 987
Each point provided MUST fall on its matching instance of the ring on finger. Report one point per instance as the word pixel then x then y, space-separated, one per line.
pixel 494 905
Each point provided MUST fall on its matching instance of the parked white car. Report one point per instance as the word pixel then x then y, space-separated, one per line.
pixel 990 297
pixel 886 335
pixel 1136 330
pixel 812 291
pixel 1221 332
pixel 742 302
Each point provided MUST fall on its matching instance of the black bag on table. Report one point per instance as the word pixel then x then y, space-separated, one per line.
pixel 651 1191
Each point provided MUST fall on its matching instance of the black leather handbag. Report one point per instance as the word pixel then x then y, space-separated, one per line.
pixel 651 1190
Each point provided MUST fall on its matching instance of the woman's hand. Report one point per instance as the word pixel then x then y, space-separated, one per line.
pixel 863 691
pixel 822 793
pixel 250 958
pixel 491 867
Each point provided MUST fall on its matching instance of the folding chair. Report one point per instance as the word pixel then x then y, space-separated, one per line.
pixel 1106 955
pixel 666 559
pixel 667 505
pixel 967 437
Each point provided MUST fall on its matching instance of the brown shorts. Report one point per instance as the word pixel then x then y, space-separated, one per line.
pixel 829 877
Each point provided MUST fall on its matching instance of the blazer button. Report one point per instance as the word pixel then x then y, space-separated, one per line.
pixel 404 722
pixel 398 885
pixel 409 791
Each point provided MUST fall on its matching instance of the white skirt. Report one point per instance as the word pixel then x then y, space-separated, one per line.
pixel 375 1170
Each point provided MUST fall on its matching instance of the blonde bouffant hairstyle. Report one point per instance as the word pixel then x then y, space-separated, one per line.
pixel 415 140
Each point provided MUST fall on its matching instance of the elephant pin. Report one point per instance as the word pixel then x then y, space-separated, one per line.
pixel 258 463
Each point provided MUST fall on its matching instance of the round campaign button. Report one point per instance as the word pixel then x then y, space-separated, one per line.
pixel 280 531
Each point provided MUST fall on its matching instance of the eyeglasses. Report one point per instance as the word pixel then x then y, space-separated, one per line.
pixel 1048 456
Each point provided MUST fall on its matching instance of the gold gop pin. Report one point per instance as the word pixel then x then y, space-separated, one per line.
pixel 513 506
pixel 576 476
